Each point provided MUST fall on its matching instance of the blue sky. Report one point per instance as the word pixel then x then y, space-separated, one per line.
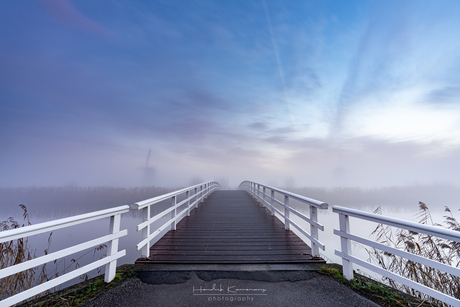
pixel 320 93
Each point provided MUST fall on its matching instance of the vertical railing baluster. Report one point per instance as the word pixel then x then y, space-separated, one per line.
pixel 173 212
pixel 263 197
pixel 286 212
pixel 112 248
pixel 314 230
pixel 347 266
pixel 145 252
pixel 273 202
pixel 196 197
pixel 201 195
pixel 187 195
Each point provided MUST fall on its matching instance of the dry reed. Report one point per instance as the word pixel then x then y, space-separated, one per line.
pixel 15 252
pixel 19 251
pixel 423 245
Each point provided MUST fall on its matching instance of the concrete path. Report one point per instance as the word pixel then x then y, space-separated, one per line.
pixel 235 286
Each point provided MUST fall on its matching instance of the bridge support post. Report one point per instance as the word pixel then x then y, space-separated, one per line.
pixel 112 248
pixel 344 224
pixel 173 213
pixel 145 252
pixel 314 230
pixel 286 212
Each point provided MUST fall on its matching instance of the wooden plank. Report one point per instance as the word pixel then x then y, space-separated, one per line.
pixel 230 227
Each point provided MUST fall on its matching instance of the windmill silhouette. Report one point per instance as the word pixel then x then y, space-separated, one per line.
pixel 149 171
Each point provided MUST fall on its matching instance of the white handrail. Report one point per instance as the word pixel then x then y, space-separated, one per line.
pixel 194 195
pixel 110 261
pixel 254 189
pixel 347 259
pixel 31 230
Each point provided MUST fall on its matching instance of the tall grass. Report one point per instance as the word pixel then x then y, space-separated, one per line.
pixel 18 251
pixel 437 249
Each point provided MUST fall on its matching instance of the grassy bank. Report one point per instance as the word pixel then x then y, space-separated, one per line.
pixel 375 291
pixel 82 293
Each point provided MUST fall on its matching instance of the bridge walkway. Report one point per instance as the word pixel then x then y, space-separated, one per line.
pixel 230 227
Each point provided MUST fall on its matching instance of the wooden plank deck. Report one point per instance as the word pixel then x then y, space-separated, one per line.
pixel 230 227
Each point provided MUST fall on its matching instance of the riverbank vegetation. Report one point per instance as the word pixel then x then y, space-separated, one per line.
pixel 20 250
pixel 427 246
pixel 379 293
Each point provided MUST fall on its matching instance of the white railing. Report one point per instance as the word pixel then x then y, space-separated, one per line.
pixel 110 261
pixel 347 259
pixel 259 191
pixel 194 195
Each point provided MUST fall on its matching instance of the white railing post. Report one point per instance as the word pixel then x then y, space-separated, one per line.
pixel 187 195
pixel 263 197
pixel 286 212
pixel 201 195
pixel 196 197
pixel 314 230
pixel 112 248
pixel 347 266
pixel 145 252
pixel 173 213
pixel 272 202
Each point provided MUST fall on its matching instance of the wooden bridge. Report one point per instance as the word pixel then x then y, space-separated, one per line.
pixel 204 225
pixel 230 227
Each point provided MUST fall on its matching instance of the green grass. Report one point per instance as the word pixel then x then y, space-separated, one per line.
pixel 373 290
pixel 78 296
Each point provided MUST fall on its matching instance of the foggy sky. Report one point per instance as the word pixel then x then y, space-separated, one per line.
pixel 319 93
